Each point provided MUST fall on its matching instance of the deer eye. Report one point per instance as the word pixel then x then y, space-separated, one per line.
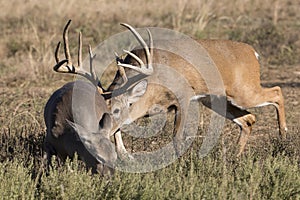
pixel 116 111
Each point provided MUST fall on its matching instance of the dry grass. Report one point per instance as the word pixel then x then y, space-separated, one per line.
pixel 29 31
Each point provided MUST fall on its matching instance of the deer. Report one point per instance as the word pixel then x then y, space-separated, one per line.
pixel 239 69
pixel 85 134
pixel 78 121
pixel 78 118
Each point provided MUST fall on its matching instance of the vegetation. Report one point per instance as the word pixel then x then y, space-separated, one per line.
pixel 29 31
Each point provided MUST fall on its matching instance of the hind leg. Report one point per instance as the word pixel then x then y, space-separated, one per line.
pixel 274 96
pixel 242 118
pixel 262 97
pixel 245 123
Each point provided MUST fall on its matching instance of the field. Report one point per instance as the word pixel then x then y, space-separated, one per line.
pixel 29 32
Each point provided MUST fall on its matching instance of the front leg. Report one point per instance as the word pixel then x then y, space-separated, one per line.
pixel 121 150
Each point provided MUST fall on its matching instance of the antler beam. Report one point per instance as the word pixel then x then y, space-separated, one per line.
pixel 144 69
pixel 61 67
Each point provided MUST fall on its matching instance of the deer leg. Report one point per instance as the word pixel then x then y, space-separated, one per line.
pixel 245 123
pixel 177 132
pixel 183 129
pixel 262 97
pixel 266 96
pixel 121 150
pixel 242 118
pixel 274 96
pixel 49 153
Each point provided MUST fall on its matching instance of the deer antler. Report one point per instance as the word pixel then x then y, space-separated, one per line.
pixel 144 69
pixel 61 67
pixel 66 65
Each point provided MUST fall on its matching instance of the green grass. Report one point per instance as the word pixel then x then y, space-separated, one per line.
pixel 252 177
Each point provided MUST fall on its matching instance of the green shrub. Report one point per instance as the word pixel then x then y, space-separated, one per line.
pixel 16 181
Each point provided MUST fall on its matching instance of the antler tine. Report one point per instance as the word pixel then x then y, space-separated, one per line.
pixel 151 46
pixel 145 70
pixel 92 56
pixel 135 57
pixel 79 49
pixel 121 69
pixel 139 39
pixel 66 43
pixel 59 64
pixel 93 75
pixel 56 52
pixel 92 71
pixel 69 67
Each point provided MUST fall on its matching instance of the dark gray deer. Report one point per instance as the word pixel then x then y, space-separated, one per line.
pixel 77 115
pixel 80 125
pixel 78 120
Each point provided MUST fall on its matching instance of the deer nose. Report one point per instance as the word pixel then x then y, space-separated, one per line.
pixel 127 121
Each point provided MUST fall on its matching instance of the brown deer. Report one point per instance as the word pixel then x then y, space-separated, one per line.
pixel 237 64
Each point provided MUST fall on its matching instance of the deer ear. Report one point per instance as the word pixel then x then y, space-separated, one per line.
pixel 87 138
pixel 135 93
pixel 82 134
pixel 105 124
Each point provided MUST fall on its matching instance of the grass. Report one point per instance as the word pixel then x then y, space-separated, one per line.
pixel 269 169
pixel 252 177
